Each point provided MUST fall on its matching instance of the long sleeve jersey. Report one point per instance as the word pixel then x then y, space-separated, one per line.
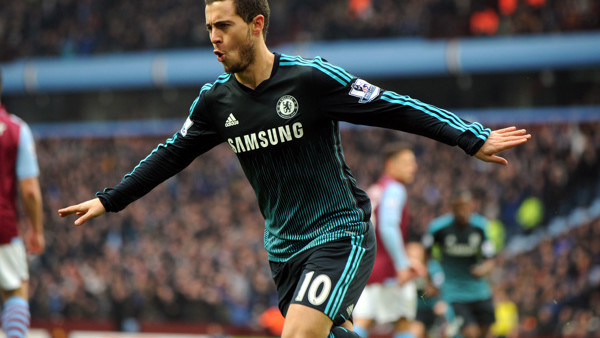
pixel 390 217
pixel 461 248
pixel 285 133
pixel 18 161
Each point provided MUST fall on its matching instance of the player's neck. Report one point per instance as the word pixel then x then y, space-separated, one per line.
pixel 260 70
pixel 391 176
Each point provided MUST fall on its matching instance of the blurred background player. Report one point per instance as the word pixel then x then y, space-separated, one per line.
pixel 391 295
pixel 466 256
pixel 18 171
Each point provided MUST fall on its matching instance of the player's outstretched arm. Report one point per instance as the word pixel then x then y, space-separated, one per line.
pixel 499 140
pixel 87 210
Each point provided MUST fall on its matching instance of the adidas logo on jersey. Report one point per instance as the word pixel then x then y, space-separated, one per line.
pixel 231 121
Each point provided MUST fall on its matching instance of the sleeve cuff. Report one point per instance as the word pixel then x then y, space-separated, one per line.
pixel 470 143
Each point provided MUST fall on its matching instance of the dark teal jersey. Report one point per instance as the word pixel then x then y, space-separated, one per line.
pixel 461 249
pixel 285 134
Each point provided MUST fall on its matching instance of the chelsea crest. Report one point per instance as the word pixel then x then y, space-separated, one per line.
pixel 287 106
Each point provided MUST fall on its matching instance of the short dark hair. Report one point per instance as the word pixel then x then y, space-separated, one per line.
pixel 461 195
pixel 249 9
pixel 393 149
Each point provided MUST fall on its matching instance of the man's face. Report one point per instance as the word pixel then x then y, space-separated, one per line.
pixel 230 35
pixel 404 166
pixel 462 208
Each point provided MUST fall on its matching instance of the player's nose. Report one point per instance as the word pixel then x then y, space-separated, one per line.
pixel 215 37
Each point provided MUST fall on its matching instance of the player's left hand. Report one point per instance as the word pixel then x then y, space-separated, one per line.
pixel 499 140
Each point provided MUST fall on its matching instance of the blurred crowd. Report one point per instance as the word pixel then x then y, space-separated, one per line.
pixel 556 285
pixel 82 27
pixel 192 249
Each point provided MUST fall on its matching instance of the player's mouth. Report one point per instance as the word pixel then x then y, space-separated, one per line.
pixel 220 55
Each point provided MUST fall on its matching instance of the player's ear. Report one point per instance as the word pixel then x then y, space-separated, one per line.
pixel 257 24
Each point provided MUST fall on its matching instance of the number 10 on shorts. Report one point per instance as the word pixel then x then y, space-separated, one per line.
pixel 320 284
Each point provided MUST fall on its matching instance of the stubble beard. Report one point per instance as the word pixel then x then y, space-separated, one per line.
pixel 246 57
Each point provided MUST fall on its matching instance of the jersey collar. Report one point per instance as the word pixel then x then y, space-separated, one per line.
pixel 263 84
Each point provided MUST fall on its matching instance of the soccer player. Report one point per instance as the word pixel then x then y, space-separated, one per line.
pixel 18 171
pixel 280 115
pixel 466 258
pixel 391 294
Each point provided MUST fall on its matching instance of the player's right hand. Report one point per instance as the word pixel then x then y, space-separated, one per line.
pixel 404 275
pixel 414 270
pixel 87 210
pixel 35 242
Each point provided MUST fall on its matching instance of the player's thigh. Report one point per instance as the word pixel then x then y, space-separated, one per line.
pixel 13 267
pixel 302 321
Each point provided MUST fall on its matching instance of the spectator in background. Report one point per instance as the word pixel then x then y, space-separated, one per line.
pixel 466 256
pixel 391 294
pixel 530 214
pixel 18 172
pixel 272 320
pixel 484 22
pixel 507 314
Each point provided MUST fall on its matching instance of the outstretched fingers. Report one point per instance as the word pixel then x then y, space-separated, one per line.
pixel 87 210
pixel 520 133
pixel 505 138
pixel 68 210
pixel 511 142
pixel 78 210
pixel 508 133
pixel 505 130
pixel 493 158
pixel 86 216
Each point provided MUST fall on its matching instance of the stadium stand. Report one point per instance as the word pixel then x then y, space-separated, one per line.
pixel 69 27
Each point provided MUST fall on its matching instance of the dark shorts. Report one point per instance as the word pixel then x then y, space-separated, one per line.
pixel 328 278
pixel 479 313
